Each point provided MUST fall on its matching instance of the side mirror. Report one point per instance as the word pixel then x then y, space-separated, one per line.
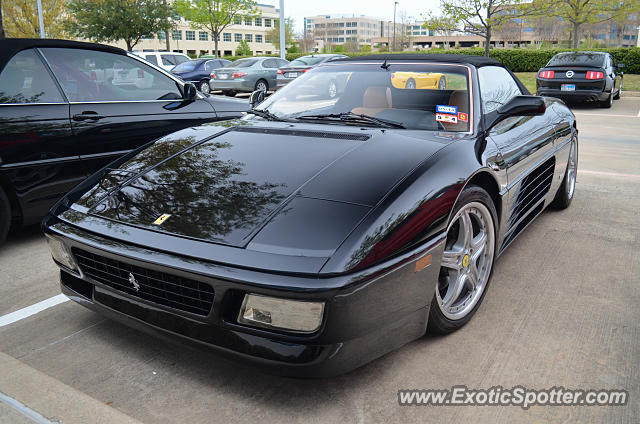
pixel 189 91
pixel 518 106
pixel 256 98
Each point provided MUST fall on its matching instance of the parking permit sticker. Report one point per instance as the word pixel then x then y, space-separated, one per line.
pixel 453 110
pixel 463 117
pixel 445 117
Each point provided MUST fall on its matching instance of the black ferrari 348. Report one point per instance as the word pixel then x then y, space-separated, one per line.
pixel 320 231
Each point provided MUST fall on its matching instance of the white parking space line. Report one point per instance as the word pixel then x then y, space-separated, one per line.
pixel 23 313
pixel 23 409
pixel 609 174
pixel 606 115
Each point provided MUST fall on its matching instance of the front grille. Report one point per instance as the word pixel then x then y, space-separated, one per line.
pixel 176 292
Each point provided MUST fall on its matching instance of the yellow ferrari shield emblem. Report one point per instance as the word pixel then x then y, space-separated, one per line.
pixel 465 261
pixel 161 219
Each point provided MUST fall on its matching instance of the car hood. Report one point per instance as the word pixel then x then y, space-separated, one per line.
pixel 272 187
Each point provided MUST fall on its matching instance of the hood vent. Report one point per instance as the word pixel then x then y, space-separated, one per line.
pixel 304 133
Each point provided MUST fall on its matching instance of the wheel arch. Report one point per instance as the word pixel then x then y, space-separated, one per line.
pixel 484 179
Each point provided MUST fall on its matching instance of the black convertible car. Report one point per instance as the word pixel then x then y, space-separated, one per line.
pixel 318 232
pixel 69 108
pixel 581 76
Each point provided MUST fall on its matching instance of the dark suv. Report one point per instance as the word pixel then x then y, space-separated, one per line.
pixel 68 108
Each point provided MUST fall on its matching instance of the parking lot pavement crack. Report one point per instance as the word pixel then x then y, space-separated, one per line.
pixel 40 349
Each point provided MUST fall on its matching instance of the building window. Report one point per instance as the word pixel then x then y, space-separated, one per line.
pixel 248 21
pixel 248 37
pixel 213 37
pixel 161 35
pixel 267 22
pixel 258 21
pixel 190 35
pixel 258 38
pixel 147 37
pixel 203 36
pixel 237 37
pixel 176 34
pixel 226 36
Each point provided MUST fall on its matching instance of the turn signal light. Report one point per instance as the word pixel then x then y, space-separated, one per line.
pixel 212 74
pixel 281 314
pixel 595 75
pixel 547 74
pixel 239 74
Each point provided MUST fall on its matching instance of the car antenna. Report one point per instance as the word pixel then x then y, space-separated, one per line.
pixel 385 65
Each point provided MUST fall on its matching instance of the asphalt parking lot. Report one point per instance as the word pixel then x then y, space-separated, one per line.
pixel 562 310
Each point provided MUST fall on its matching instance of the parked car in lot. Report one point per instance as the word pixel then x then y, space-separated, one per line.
pixel 298 66
pixel 581 76
pixel 247 75
pixel 314 234
pixel 165 60
pixel 198 72
pixel 69 108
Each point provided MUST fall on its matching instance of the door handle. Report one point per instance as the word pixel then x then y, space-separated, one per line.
pixel 87 115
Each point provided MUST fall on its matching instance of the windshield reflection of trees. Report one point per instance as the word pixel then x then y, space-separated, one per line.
pixel 205 195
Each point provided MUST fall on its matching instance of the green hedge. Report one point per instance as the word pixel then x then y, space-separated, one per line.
pixel 521 60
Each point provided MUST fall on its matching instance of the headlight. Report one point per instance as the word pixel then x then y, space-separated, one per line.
pixel 60 253
pixel 285 314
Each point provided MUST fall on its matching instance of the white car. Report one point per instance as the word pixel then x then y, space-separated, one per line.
pixel 164 59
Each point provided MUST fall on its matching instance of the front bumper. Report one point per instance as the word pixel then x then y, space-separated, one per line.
pixel 366 315
pixel 240 84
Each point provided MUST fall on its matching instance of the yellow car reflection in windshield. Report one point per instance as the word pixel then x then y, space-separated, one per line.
pixel 419 80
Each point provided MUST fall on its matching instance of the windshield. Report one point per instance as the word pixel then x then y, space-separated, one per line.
pixel 577 59
pixel 306 61
pixel 241 63
pixel 186 66
pixel 426 96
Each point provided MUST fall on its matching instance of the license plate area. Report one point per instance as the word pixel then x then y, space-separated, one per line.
pixel 223 76
pixel 291 74
pixel 568 87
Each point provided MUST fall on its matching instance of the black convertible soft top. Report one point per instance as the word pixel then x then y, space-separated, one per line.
pixel 10 46
pixel 477 61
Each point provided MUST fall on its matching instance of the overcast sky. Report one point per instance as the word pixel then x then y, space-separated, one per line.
pixel 298 9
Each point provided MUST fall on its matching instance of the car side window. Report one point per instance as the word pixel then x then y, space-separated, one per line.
pixel 179 59
pixel 209 65
pixel 270 64
pixel 497 87
pixel 97 76
pixel 168 59
pixel 25 79
pixel 151 58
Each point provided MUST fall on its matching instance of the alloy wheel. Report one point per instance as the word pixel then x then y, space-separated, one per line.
pixel 204 87
pixel 442 84
pixel 333 89
pixel 572 169
pixel 260 85
pixel 466 261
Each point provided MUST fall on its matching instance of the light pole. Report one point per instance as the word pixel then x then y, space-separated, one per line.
pixel 40 19
pixel 394 25
pixel 283 40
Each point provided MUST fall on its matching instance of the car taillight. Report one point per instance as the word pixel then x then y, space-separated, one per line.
pixel 239 74
pixel 305 70
pixel 595 75
pixel 212 75
pixel 280 71
pixel 547 74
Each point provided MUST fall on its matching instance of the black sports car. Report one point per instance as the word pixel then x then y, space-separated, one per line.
pixel 316 234
pixel 581 76
pixel 69 108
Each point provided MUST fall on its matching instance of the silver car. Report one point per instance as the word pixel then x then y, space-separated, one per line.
pixel 247 75
pixel 301 65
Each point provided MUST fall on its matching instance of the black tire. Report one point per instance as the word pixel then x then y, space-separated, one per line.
pixel 204 88
pixel 261 83
pixel 606 104
pixel 5 216
pixel 566 191
pixel 411 84
pixel 438 323
pixel 229 93
pixel 619 93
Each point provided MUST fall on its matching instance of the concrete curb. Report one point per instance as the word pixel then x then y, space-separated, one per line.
pixel 52 399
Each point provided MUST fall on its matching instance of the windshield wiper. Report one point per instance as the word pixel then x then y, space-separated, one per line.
pixel 355 117
pixel 264 113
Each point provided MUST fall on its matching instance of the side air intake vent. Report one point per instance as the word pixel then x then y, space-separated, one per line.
pixel 304 133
